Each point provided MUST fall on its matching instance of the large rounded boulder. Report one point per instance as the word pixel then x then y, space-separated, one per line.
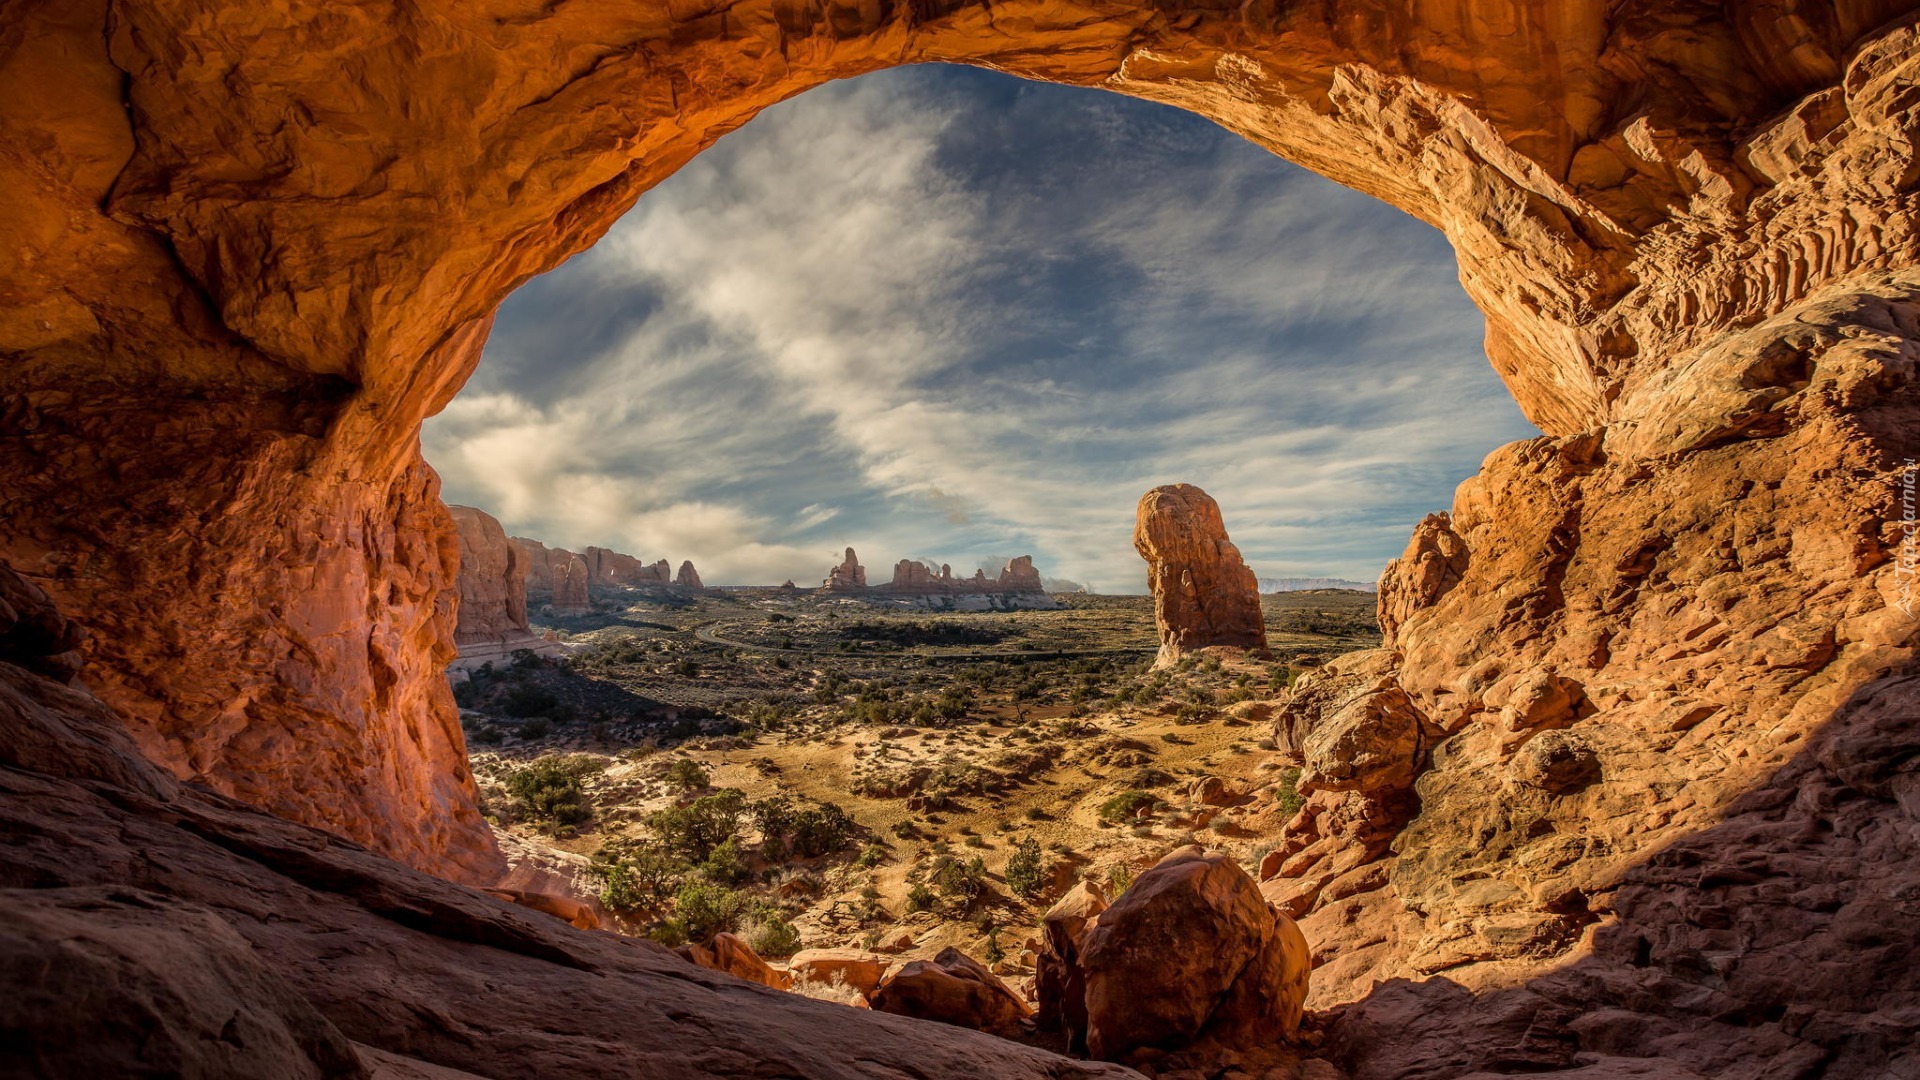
pixel 953 988
pixel 1191 953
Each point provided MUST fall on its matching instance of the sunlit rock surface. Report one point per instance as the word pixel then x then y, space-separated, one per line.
pixel 253 248
pixel 1204 594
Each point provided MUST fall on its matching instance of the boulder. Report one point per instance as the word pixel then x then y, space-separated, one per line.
pixel 1352 728
pixel 1212 791
pixel 952 988
pixel 1192 953
pixel 729 953
pixel 565 908
pixel 856 969
pixel 492 582
pixel 1059 983
pixel 1203 592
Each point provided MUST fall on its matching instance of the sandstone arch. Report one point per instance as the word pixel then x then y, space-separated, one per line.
pixel 258 244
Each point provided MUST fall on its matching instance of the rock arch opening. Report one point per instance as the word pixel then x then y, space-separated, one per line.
pixel 258 247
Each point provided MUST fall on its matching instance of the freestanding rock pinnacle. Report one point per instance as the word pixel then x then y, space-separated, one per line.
pixel 1203 592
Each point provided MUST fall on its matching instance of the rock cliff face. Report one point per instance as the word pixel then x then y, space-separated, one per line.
pixel 849 576
pixel 571 588
pixel 492 584
pixel 1681 629
pixel 688 577
pixel 1203 593
pixel 914 578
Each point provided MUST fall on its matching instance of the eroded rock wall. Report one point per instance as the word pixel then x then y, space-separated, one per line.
pixel 256 246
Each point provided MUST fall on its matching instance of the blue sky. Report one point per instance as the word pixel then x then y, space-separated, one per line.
pixel 944 314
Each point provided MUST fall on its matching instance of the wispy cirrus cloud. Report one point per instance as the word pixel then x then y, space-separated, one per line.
pixel 936 310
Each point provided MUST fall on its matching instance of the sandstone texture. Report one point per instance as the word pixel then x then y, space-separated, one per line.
pixel 688 577
pixel 1204 594
pixel 953 988
pixel 492 624
pixel 1190 954
pixel 849 576
pixel 156 928
pixel 727 952
pixel 1661 657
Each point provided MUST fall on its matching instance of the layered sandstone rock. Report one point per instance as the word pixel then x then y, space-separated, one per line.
pixel 493 593
pixel 729 953
pixel 572 588
pixel 149 925
pixel 1203 592
pixel 688 577
pixel 849 576
pixel 1191 954
pixel 914 578
pixel 953 988
pixel 1690 228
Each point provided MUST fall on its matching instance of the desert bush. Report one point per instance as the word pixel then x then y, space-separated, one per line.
pixel 688 775
pixel 1286 796
pixel 1119 876
pixel 822 829
pixel 920 898
pixel 692 831
pixel 1123 806
pixel 702 909
pixel 548 788
pixel 1026 872
pixel 643 878
pixel 726 864
pixel 525 699
pixel 771 935
pixel 536 728
pixel 961 882
pixel 994 953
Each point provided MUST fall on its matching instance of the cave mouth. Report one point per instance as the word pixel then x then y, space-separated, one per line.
pixel 941 313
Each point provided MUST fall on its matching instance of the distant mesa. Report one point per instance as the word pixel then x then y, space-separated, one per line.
pixel 1204 595
pixel 1019 581
pixel 493 592
pixel 1304 584
pixel 502 578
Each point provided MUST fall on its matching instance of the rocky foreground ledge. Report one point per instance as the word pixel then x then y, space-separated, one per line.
pixel 150 927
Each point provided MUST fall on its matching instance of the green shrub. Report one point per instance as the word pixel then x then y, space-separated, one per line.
pixel 691 832
pixel 548 787
pixel 1124 806
pixel 822 829
pixel 688 775
pixel 702 909
pixel 725 864
pixel 537 728
pixel 994 953
pixel 920 898
pixel 960 882
pixel 1119 876
pixel 1286 797
pixel 642 879
pixel 1025 872
pixel 771 935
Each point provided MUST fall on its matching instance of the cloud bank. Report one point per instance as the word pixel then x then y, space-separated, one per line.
pixel 940 313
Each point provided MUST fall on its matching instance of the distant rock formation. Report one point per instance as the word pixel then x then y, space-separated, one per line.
pixel 849 576
pixel 1203 592
pixel 608 567
pixel 1303 584
pixel 492 582
pixel 493 592
pixel 570 588
pixel 914 578
pixel 550 574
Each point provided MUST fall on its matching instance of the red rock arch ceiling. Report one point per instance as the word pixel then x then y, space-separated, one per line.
pixel 257 244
